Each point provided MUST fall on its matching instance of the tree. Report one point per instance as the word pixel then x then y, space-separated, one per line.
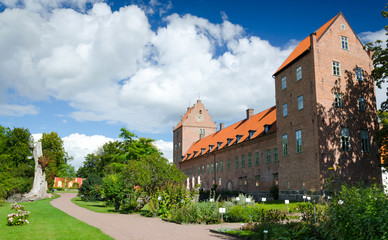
pixel 380 60
pixel 54 155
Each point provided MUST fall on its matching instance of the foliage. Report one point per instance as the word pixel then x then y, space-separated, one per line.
pixel 55 160
pixel 16 165
pixel 91 188
pixel 114 189
pixel 380 59
pixel 197 212
pixel 18 218
pixel 254 213
pixel 359 213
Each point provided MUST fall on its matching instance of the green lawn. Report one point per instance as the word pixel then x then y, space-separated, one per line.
pixel 279 204
pixel 47 222
pixel 97 206
pixel 66 191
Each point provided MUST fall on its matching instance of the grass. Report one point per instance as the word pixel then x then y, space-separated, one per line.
pixel 97 206
pixel 66 191
pixel 279 205
pixel 47 222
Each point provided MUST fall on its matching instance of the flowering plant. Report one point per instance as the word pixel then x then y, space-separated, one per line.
pixel 18 218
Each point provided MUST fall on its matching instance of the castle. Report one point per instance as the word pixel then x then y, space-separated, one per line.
pixel 320 130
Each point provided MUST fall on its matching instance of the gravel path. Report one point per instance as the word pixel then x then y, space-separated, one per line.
pixel 136 227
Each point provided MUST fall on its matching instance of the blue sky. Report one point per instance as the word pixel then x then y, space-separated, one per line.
pixel 86 68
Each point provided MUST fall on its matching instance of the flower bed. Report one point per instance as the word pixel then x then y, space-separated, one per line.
pixel 18 218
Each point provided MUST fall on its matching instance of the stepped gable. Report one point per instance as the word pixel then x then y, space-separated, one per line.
pixel 242 128
pixel 305 44
pixel 184 117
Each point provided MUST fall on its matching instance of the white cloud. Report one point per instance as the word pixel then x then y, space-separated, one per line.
pixel 79 145
pixel 366 37
pixel 166 148
pixel 17 110
pixel 110 66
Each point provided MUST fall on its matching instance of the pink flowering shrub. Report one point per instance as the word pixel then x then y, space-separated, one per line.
pixel 18 218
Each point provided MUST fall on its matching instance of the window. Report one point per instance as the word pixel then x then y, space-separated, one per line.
pixel 212 168
pixel 359 74
pixel 257 156
pixel 276 178
pixel 228 164
pixel 285 144
pixel 275 154
pixel 236 162
pixel 268 155
pixel 199 170
pixel 257 180
pixel 284 82
pixel 300 102
pixel 249 159
pixel 303 185
pixel 216 167
pixel 243 181
pixel 219 181
pixel 207 169
pixel 243 161
pixel 298 73
pixel 336 69
pixel 344 43
pixel 285 110
pixel 298 135
pixel 228 141
pixel 288 185
pixel 251 133
pixel 222 166
pixel 337 99
pixel 203 169
pixel 238 138
pixel 361 104
pixel 364 140
pixel 345 139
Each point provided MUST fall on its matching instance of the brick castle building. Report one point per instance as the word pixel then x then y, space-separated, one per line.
pixel 320 130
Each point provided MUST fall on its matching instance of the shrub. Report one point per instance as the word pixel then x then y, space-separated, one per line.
pixel 254 213
pixel 91 188
pixel 2 202
pixel 75 185
pixel 18 218
pixel 359 213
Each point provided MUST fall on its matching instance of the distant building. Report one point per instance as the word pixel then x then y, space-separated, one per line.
pixel 59 182
pixel 321 129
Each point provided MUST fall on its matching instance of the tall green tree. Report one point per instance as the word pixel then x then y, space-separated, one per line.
pixel 380 59
pixel 54 156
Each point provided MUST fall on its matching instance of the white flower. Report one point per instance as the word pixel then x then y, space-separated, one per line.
pixel 340 202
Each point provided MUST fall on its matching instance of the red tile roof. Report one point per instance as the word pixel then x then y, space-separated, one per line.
pixel 255 124
pixel 184 117
pixel 304 45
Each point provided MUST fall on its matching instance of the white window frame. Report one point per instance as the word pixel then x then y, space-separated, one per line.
pixel 364 139
pixel 300 102
pixel 299 143
pixel 298 73
pixel 345 139
pixel 344 43
pixel 336 68
pixel 359 74
pixel 338 100
pixel 285 144
pixel 284 82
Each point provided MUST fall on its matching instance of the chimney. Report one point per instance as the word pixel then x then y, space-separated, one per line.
pixel 250 112
pixel 221 126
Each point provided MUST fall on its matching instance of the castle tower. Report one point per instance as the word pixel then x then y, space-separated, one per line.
pixel 326 111
pixel 194 125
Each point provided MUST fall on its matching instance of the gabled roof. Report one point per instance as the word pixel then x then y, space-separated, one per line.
pixel 254 126
pixel 184 117
pixel 305 44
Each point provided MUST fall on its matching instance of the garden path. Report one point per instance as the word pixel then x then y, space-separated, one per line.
pixel 136 227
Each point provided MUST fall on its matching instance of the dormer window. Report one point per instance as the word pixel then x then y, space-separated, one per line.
pixel 238 138
pixel 229 140
pixel 211 147
pixel 203 150
pixel 266 128
pixel 251 133
pixel 219 145
pixel 188 155
pixel 195 153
